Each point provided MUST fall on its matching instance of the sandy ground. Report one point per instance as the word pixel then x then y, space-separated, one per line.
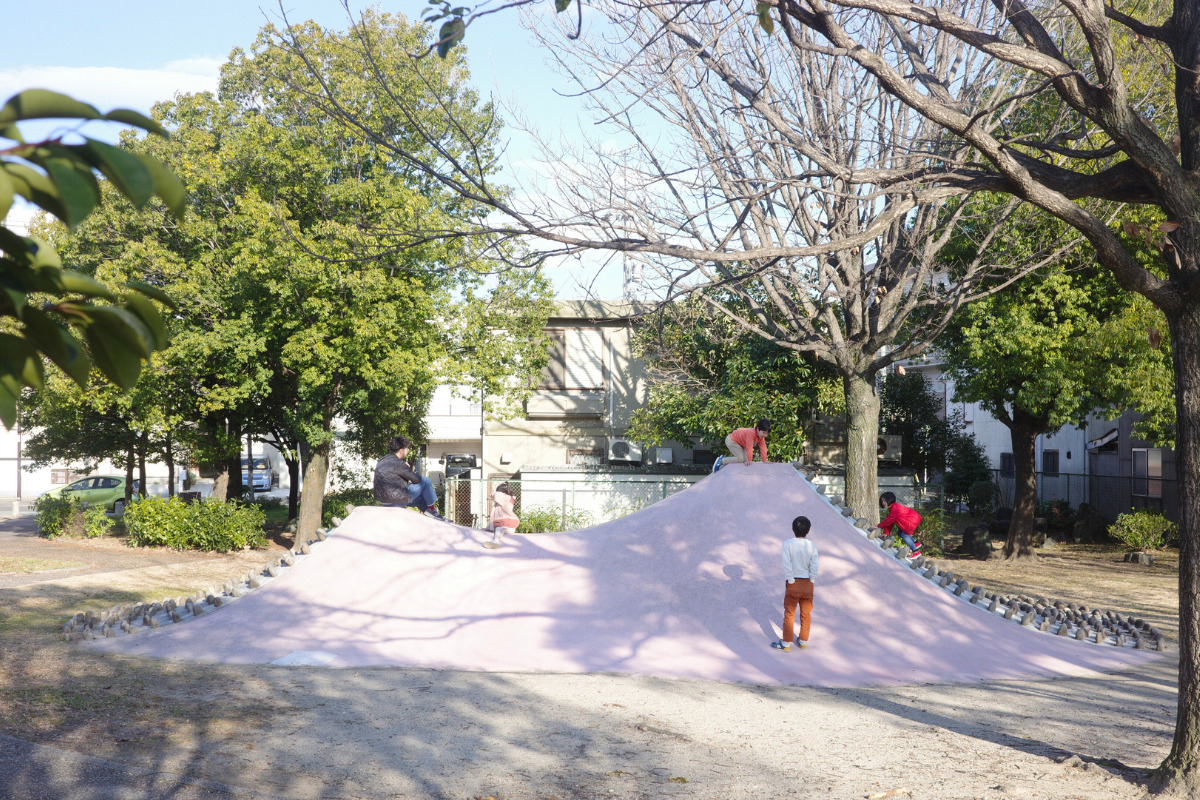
pixel 373 733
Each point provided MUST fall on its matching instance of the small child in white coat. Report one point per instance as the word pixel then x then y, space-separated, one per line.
pixel 504 518
pixel 800 573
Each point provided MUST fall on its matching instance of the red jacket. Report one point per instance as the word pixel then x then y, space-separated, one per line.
pixel 907 518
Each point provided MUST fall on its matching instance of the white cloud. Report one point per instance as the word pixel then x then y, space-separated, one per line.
pixel 116 87
pixel 207 67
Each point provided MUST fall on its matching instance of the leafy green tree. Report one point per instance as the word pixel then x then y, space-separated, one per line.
pixel 296 315
pixel 909 409
pixel 43 305
pixel 966 466
pixel 1146 382
pixel 1028 357
pixel 708 377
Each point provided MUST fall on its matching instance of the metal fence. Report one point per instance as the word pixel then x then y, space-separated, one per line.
pixel 572 504
pixel 1109 494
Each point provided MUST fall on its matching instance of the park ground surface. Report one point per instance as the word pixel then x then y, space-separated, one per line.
pixel 304 732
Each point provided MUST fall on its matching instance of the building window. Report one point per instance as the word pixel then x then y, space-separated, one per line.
pixel 576 360
pixel 1147 472
pixel 1008 467
pixel 60 477
pixel 1050 463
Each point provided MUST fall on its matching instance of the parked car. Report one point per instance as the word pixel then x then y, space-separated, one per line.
pixel 107 491
pixel 459 465
pixel 263 481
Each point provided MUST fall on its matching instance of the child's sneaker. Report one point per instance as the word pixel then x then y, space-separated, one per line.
pixel 782 645
pixel 717 463
pixel 916 551
pixel 801 644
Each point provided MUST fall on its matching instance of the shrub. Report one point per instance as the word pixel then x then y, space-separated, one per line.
pixel 336 502
pixel 59 516
pixel 1057 513
pixel 932 532
pixel 983 497
pixel 547 519
pixel 207 525
pixel 1143 530
pixel 95 522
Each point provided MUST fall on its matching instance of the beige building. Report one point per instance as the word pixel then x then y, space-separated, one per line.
pixel 580 410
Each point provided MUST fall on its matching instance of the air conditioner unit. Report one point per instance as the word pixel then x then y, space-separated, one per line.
pixel 888 448
pixel 624 450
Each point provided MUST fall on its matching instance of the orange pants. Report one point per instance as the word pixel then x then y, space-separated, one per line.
pixel 798 593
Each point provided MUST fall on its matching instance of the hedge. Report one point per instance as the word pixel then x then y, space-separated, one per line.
pixel 205 525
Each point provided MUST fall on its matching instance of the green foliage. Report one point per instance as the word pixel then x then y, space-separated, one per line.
pixel 908 408
pixel 1057 513
pixel 45 305
pixel 983 497
pixel 932 532
pixel 709 377
pixel 335 503
pixel 547 519
pixel 966 465
pixel 1032 347
pixel 213 525
pixel 1143 376
pixel 58 516
pixel 95 522
pixel 1145 529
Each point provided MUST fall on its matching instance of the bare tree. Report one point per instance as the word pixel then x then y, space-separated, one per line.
pixel 1122 142
pixel 737 146
pixel 777 178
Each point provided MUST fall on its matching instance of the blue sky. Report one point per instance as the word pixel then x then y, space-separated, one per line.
pixel 134 53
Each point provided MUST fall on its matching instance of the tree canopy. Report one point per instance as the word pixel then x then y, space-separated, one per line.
pixel 296 310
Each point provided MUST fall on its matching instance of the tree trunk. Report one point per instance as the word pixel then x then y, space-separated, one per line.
pixel 1024 430
pixel 862 442
pixel 234 467
pixel 293 465
pixel 313 497
pixel 141 464
pixel 169 457
pixel 1179 774
pixel 221 482
pixel 129 462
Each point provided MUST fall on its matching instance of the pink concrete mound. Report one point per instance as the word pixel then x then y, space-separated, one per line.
pixel 690 587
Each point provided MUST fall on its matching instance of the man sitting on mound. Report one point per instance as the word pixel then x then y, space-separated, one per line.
pixel 398 484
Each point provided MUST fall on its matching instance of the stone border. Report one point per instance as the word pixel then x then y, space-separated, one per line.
pixel 133 617
pixel 1054 617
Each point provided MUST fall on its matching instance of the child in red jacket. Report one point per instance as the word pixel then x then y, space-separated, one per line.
pixel 901 517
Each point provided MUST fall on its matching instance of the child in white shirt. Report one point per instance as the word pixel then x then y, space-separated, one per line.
pixel 800 572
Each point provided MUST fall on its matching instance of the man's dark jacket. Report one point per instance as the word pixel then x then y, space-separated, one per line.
pixel 392 477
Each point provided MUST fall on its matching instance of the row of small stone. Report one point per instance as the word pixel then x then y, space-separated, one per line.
pixel 132 617
pixel 1054 617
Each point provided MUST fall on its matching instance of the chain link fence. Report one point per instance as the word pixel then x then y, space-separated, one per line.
pixel 559 505
pixel 1110 495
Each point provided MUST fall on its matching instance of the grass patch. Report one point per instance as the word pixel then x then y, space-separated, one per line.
pixel 28 566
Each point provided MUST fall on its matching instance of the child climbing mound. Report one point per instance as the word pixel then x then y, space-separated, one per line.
pixel 899 516
pixel 741 445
